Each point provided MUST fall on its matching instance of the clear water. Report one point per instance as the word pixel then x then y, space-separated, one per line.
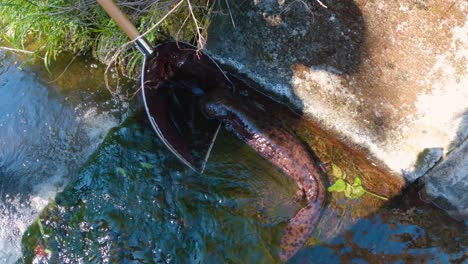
pixel 133 202
pixel 47 131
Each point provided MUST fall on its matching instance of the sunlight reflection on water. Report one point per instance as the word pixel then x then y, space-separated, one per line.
pixel 43 141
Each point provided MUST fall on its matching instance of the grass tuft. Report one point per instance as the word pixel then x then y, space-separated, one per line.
pixel 46 28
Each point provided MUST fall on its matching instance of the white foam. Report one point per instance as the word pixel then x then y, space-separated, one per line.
pixel 36 165
pixel 98 123
pixel 16 216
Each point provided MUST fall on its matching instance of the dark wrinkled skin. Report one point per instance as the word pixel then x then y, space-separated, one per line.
pixel 254 122
pixel 252 117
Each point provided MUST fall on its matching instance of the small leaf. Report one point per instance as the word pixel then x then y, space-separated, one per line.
pixel 312 241
pixel 357 191
pixel 338 186
pixel 41 229
pixel 348 191
pixel 337 172
pixel 121 171
pixel 146 165
pixel 357 181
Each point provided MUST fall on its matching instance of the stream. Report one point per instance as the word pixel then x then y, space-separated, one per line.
pixel 48 128
pixel 87 181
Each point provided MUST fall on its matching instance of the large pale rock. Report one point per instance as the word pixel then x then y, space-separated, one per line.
pixel 447 183
pixel 389 76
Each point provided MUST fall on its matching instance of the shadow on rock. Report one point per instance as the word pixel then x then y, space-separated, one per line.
pixel 290 32
pixel 446 182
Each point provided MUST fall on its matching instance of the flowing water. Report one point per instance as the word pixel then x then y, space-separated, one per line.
pixel 135 203
pixel 129 200
pixel 47 130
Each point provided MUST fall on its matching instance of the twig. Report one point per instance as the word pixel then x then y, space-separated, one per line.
pixel 182 26
pixel 162 19
pixel 119 50
pixel 376 195
pixel 112 61
pixel 201 40
pixel 320 3
pixel 66 68
pixel 230 13
pixel 17 50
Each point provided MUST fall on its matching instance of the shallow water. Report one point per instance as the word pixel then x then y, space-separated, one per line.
pixel 47 130
pixel 133 202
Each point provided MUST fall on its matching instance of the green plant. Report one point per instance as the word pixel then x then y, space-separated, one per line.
pixel 354 190
pixel 34 25
pixel 44 238
pixel 47 28
pixel 146 165
pixel 121 171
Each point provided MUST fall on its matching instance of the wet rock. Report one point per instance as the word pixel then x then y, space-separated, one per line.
pixel 448 182
pixel 390 77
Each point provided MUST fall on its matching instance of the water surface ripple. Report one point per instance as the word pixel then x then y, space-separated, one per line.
pixel 44 139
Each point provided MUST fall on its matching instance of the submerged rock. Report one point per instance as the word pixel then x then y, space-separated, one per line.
pixel 447 183
pixel 387 76
pixel 51 121
pixel 135 202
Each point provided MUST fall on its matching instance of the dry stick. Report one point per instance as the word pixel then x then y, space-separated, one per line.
pixel 113 61
pixel 121 48
pixel 182 26
pixel 162 19
pixel 63 72
pixel 201 40
pixel 17 50
pixel 320 3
